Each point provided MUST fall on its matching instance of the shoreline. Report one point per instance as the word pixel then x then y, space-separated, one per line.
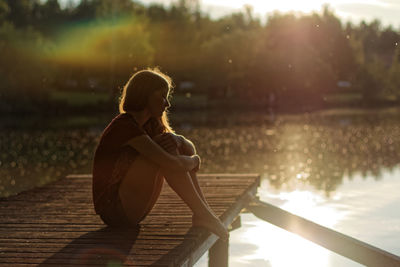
pixel 198 116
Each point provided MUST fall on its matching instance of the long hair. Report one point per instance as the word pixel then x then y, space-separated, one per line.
pixel 136 92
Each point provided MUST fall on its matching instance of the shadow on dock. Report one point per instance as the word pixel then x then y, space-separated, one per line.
pixel 105 247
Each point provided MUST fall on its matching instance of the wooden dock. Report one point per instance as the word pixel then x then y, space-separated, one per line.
pixel 56 226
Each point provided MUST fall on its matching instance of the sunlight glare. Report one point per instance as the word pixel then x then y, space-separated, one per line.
pixel 310 206
pixel 274 244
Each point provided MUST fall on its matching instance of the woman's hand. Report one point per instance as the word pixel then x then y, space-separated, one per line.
pixel 198 160
pixel 169 142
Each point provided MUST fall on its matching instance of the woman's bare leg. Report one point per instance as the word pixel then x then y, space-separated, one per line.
pixel 195 181
pixel 181 183
pixel 198 219
pixel 137 187
pixel 189 149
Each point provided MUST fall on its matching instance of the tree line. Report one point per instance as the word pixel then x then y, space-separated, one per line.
pixel 289 60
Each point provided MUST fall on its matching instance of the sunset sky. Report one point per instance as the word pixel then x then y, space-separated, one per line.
pixel 355 10
pixel 387 11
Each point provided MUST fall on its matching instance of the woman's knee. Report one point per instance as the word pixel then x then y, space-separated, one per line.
pixel 187 148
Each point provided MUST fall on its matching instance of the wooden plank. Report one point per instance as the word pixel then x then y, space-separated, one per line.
pixel 51 225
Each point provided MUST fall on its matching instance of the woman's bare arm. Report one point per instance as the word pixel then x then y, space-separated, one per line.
pixel 187 146
pixel 184 146
pixel 151 150
pixel 172 141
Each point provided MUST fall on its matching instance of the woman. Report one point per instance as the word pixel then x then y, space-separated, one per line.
pixel 138 150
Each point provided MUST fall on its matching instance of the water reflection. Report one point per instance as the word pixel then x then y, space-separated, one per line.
pixel 33 158
pixel 318 150
pixel 313 149
pixel 278 247
pixel 361 207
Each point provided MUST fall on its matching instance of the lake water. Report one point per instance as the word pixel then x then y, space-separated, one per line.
pixel 361 207
pixel 338 168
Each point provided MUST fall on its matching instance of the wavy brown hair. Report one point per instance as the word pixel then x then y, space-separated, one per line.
pixel 136 92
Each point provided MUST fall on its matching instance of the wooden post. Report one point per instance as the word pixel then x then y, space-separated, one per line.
pixel 218 254
pixel 237 223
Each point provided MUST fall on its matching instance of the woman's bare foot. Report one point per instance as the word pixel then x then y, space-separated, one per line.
pixel 212 224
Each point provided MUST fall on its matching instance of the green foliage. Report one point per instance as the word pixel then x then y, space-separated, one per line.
pixel 4 10
pixel 23 72
pixel 394 74
pixel 79 99
pixel 97 44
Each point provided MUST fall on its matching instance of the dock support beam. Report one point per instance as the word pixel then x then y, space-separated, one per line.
pixel 218 254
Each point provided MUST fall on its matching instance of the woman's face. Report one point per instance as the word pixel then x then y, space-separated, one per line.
pixel 158 102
